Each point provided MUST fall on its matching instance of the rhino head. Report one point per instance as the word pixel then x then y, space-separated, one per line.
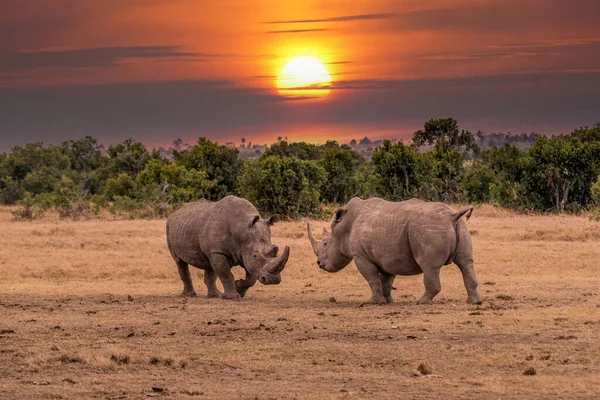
pixel 330 250
pixel 260 256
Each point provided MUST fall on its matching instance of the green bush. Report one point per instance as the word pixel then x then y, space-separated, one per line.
pixel 595 215
pixel 125 206
pixel 283 185
pixel 129 157
pixel 367 181
pixel 340 166
pixel 476 182
pixel 595 190
pixel 10 190
pixel 181 184
pixel 72 200
pixel 505 194
pixel 396 169
pixel 121 186
pixel 221 165
pixel 443 163
pixel 30 208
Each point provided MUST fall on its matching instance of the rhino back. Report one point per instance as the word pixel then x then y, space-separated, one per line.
pixel 204 227
pixel 386 233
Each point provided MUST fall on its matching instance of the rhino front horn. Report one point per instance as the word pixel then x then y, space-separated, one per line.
pixel 312 239
pixel 277 265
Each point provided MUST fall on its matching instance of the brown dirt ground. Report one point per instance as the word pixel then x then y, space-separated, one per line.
pixel 91 309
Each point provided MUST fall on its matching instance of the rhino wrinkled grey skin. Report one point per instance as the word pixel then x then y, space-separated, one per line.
pixel 386 239
pixel 215 236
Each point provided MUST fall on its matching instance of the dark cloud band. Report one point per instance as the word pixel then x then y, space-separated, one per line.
pixel 343 18
pixel 92 57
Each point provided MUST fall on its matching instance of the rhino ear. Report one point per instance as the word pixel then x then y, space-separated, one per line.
pixel 339 214
pixel 273 218
pixel 254 220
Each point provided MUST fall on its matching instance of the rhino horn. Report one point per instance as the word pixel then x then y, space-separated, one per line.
pixel 312 239
pixel 276 265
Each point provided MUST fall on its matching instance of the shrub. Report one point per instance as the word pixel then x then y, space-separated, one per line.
pixel 121 186
pixel 595 190
pixel 221 165
pixel 30 208
pixel 283 185
pixel 340 169
pixel 396 168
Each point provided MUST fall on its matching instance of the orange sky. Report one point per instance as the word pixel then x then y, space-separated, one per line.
pixel 160 69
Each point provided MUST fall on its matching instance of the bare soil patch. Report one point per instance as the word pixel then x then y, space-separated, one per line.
pixel 91 309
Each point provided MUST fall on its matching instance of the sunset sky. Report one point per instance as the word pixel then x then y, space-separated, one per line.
pixel 157 70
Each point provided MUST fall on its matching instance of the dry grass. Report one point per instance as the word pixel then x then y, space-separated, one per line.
pixel 68 329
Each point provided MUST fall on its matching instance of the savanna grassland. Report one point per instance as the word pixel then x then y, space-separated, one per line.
pixel 91 309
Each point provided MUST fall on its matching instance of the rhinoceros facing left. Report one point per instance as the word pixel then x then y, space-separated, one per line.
pixel 386 239
pixel 215 236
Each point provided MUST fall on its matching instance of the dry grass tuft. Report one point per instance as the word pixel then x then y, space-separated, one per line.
pixel 120 359
pixel 65 358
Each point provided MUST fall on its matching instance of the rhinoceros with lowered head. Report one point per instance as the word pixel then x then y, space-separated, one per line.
pixel 215 236
pixel 386 239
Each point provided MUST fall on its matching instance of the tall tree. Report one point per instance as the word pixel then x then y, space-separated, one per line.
pixel 396 167
pixel 128 157
pixel 220 163
pixel 340 164
pixel 450 149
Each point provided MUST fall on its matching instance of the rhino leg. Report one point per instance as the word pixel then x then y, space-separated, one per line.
pixel 242 285
pixel 370 272
pixel 210 280
pixel 387 280
pixel 186 278
pixel 222 268
pixel 470 279
pixel 431 279
pixel 464 261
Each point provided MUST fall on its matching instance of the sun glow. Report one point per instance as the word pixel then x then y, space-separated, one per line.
pixel 304 77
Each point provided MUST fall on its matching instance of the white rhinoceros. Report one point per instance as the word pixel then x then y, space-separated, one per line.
pixel 215 236
pixel 386 239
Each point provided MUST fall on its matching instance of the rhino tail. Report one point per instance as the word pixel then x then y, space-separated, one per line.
pixel 456 216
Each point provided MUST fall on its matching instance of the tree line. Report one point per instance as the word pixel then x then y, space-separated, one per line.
pixel 442 163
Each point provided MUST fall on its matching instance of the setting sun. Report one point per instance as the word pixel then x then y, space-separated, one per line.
pixel 304 77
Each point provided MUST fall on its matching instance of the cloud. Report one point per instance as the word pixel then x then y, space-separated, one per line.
pixel 480 56
pixel 522 79
pixel 92 57
pixel 343 18
pixel 502 16
pixel 10 78
pixel 158 112
pixel 552 43
pixel 297 31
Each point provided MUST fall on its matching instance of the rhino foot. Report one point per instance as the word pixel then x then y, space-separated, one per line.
pixel 476 300
pixel 374 301
pixel 241 287
pixel 214 295
pixel 425 301
pixel 378 299
pixel 189 293
pixel 231 296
